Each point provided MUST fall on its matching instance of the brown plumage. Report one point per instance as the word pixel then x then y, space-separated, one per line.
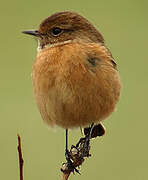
pixel 75 78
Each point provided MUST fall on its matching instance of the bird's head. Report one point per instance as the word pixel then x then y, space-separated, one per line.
pixel 63 27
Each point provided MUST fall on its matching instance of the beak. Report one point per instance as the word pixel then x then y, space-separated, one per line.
pixel 32 32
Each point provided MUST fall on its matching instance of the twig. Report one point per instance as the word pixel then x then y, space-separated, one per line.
pixel 65 176
pixel 21 161
pixel 79 152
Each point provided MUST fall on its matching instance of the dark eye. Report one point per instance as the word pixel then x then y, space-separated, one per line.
pixel 56 31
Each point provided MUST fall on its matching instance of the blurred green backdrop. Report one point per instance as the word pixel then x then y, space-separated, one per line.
pixel 123 152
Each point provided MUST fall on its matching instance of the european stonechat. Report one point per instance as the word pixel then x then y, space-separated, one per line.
pixel 75 77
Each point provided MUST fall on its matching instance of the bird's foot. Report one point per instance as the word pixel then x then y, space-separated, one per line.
pixel 69 164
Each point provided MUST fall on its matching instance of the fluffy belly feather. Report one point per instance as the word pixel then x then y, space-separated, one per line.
pixel 72 95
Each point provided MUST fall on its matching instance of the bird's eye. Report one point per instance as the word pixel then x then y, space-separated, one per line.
pixel 56 31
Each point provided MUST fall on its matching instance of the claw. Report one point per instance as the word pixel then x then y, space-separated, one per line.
pixel 69 164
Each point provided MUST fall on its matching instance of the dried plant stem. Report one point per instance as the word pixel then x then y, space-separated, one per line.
pixel 21 161
pixel 65 176
pixel 77 154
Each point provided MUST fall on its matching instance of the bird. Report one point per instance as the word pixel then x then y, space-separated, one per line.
pixel 75 78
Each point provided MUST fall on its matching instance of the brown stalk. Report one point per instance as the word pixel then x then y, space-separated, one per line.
pixel 21 161
pixel 77 154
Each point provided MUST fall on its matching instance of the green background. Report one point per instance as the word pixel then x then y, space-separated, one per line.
pixel 123 152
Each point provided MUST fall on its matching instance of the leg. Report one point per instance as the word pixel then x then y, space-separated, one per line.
pixel 66 146
pixel 87 132
pixel 91 128
pixel 67 155
pixel 88 136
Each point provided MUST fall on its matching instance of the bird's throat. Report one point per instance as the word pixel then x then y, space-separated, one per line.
pixel 40 47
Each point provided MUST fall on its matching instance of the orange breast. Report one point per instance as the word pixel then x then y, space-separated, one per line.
pixel 72 91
